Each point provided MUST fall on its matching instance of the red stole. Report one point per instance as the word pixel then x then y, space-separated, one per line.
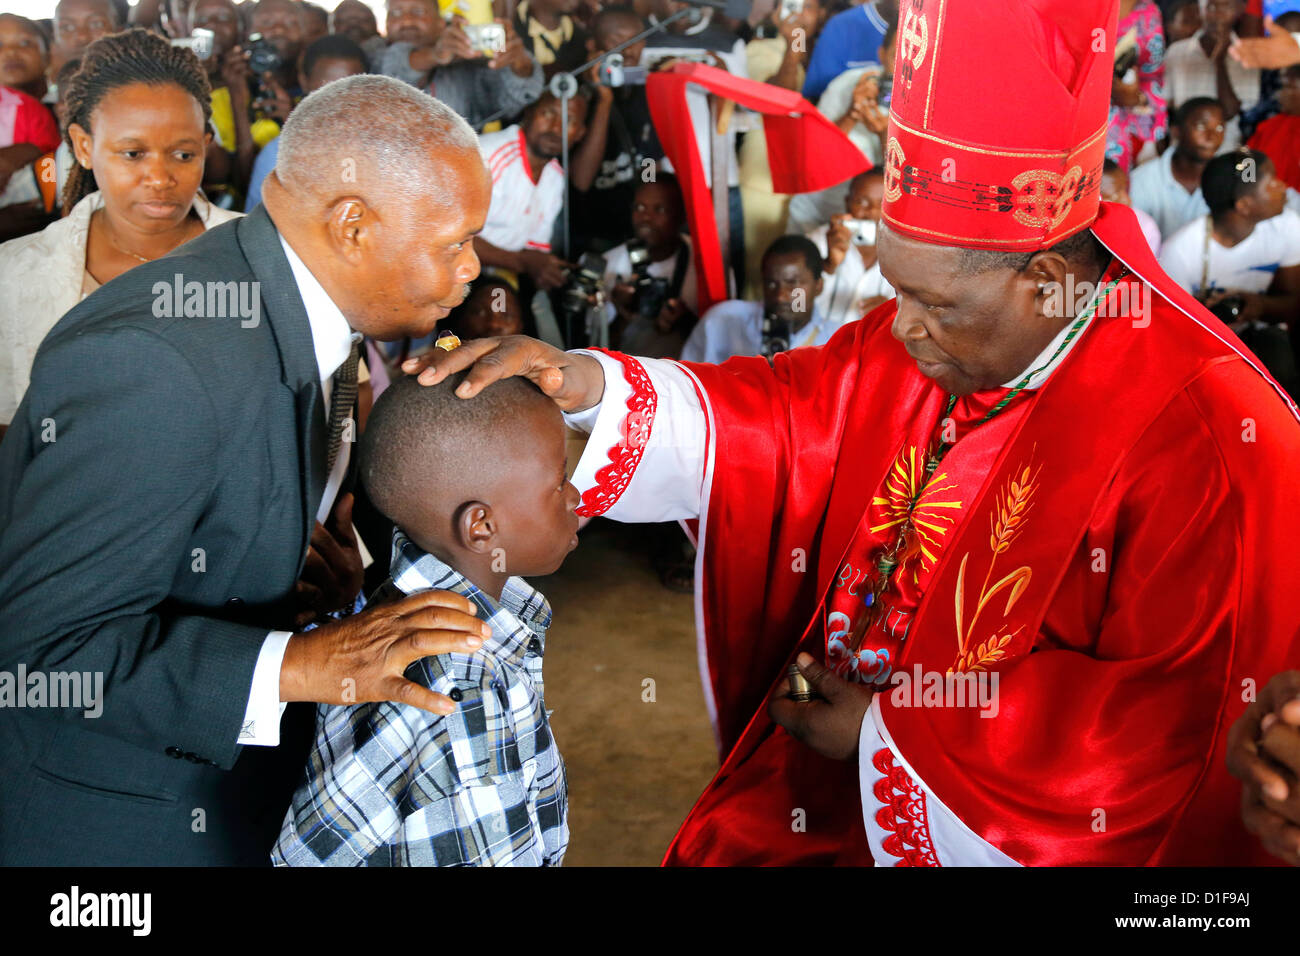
pixel 798 457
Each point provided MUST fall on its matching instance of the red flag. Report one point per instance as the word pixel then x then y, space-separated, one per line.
pixel 806 152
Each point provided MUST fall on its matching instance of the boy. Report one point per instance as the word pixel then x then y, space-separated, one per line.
pixel 478 492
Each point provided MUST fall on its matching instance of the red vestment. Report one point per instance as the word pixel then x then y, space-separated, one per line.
pixel 1150 481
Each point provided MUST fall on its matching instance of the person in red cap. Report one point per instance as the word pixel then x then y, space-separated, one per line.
pixel 1026 531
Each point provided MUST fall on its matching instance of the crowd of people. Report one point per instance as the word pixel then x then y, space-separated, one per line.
pixel 1178 101
pixel 126 133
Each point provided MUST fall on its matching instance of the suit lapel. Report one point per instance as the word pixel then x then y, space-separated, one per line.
pixel 285 313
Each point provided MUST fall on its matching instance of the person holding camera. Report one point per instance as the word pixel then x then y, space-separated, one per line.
pixel 482 71
pixel 1243 260
pixel 650 298
pixel 621 142
pixel 853 285
pixel 787 318
pixel 858 100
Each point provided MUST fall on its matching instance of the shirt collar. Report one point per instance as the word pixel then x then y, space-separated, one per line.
pixel 522 613
pixel 331 335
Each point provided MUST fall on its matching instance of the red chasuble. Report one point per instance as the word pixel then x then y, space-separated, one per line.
pixel 1117 545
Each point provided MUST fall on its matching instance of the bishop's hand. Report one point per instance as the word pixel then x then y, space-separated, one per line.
pixel 831 725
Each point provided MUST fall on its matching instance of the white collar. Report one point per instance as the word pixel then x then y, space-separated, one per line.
pixel 331 335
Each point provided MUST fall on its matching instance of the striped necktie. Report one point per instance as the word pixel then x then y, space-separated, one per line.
pixel 342 400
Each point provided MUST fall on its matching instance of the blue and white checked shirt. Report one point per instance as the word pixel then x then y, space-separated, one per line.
pixel 388 784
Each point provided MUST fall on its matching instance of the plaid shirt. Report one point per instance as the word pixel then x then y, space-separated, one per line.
pixel 388 784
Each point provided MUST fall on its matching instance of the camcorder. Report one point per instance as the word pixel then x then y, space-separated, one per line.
pixel 201 42
pixel 652 292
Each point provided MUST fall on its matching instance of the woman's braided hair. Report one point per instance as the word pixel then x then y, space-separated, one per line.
pixel 118 60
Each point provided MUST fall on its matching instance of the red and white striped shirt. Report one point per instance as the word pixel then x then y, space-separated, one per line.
pixel 522 214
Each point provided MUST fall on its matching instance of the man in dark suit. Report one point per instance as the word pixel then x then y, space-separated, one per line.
pixel 185 429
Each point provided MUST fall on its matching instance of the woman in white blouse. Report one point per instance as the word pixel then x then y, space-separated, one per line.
pixel 137 115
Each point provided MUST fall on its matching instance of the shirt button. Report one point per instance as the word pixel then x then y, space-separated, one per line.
pixel 235 602
pixel 535 646
pixel 456 695
pixel 174 752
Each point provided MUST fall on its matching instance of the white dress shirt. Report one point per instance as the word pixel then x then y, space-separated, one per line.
pixel 332 339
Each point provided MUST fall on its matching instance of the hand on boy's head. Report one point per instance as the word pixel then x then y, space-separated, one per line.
pixel 574 381
pixel 480 483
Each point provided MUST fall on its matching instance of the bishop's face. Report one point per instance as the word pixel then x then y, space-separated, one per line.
pixel 967 331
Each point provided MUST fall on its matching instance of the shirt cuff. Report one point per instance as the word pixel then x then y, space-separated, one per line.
pixel 261 726
pixel 616 390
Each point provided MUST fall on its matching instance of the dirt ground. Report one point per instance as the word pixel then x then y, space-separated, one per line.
pixel 635 765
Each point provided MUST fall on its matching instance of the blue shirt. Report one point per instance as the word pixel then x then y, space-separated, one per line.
pixel 264 163
pixel 849 39
pixel 1153 189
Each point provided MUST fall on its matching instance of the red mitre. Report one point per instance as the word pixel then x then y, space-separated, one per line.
pixel 997 129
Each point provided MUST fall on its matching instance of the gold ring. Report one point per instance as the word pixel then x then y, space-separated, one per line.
pixel 447 342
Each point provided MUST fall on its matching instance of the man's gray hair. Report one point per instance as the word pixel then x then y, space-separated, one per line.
pixel 369 135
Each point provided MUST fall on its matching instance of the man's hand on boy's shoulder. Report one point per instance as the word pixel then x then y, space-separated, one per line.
pixel 362 658
pixel 576 382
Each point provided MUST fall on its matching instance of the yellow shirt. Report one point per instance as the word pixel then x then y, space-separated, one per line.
pixel 223 120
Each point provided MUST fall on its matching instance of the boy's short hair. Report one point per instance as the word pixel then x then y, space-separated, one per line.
pixel 419 436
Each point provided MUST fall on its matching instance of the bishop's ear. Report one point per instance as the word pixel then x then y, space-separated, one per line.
pixel 475 527
pixel 1046 272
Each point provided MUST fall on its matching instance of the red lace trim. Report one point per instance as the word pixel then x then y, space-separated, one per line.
pixel 634 431
pixel 903 813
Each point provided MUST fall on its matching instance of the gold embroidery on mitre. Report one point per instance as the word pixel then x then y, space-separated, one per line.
pixel 914 39
pixel 1044 198
pixel 893 170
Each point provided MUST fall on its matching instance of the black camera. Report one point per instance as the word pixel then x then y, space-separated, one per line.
pixel 1228 310
pixel 652 292
pixel 584 285
pixel 263 57
pixel 778 333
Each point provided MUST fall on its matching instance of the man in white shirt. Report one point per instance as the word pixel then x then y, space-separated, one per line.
pixel 1168 188
pixel 1201 66
pixel 787 317
pixel 157 539
pixel 528 190
pixel 1252 248
pixel 851 279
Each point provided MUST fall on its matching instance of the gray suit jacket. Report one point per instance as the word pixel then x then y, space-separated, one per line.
pixel 158 488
